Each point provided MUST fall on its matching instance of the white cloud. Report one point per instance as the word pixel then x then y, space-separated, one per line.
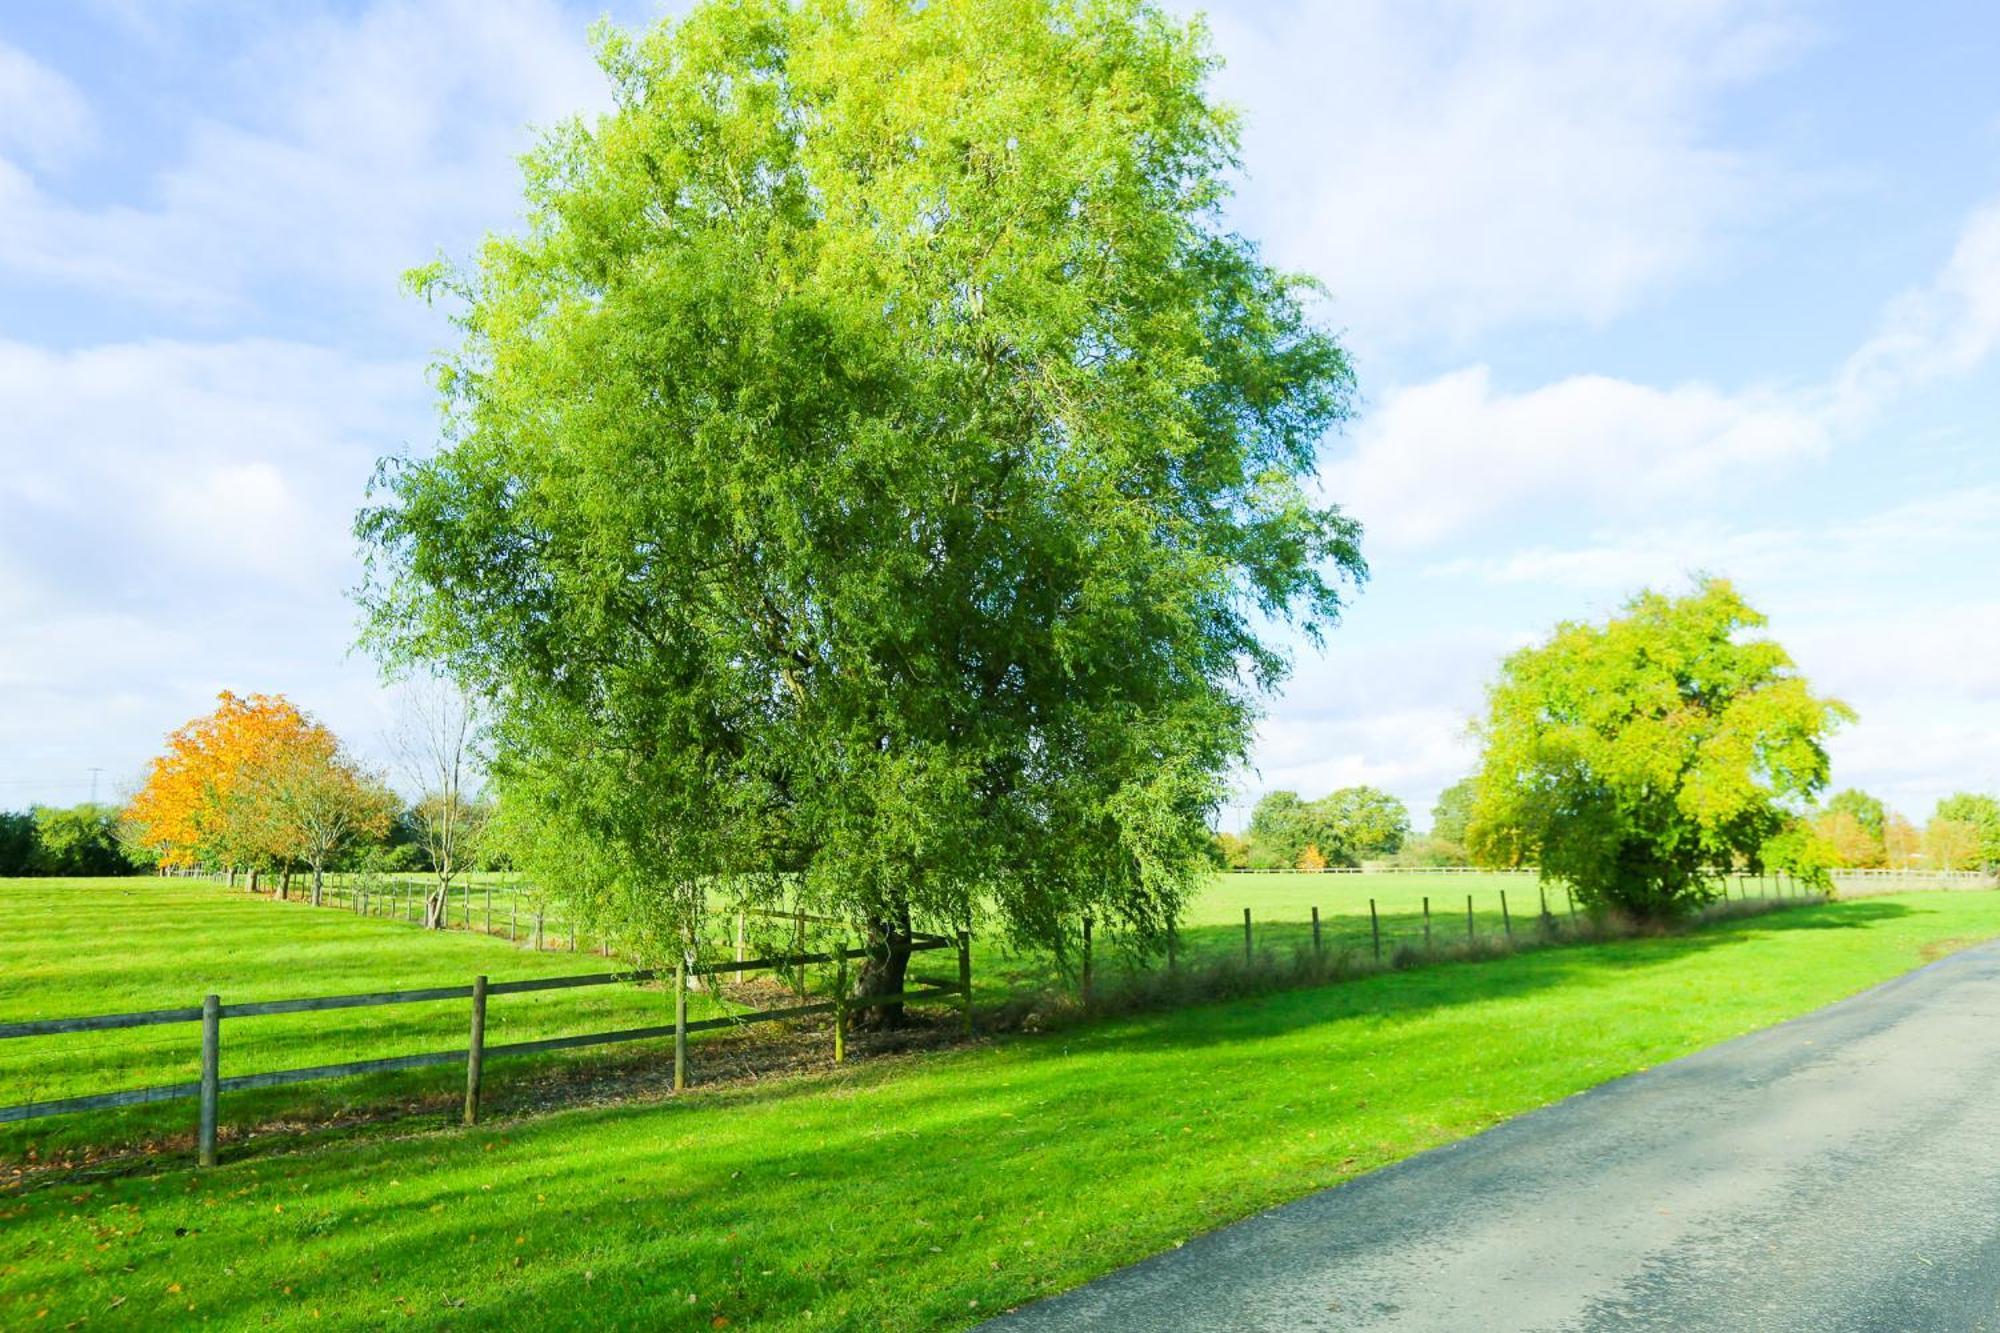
pixel 1438 458
pixel 1906 541
pixel 1413 753
pixel 173 522
pixel 357 149
pixel 1450 168
pixel 241 460
pixel 1945 328
pixel 42 115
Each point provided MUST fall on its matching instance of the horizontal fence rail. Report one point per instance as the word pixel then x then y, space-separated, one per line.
pixel 1380 870
pixel 209 1088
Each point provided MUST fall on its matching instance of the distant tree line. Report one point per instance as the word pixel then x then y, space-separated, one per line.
pixel 1342 828
pixel 72 841
pixel 1854 830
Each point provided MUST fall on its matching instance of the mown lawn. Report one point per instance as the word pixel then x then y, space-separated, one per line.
pixel 104 946
pixel 78 947
pixel 928 1191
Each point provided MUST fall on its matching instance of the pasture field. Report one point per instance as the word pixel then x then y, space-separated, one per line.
pixel 96 946
pixel 102 946
pixel 927 1191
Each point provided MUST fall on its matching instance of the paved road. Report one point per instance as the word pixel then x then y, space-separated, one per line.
pixel 1841 1171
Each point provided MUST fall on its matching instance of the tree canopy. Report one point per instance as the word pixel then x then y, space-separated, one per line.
pixel 869 477
pixel 1342 828
pixel 1642 758
pixel 1453 811
pixel 257 783
pixel 187 811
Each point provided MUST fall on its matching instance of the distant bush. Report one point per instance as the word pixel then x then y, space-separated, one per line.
pixel 75 842
pixel 17 842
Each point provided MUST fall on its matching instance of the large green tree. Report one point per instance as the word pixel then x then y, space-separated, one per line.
pixel 1282 826
pixel 867 481
pixel 1370 823
pixel 1641 759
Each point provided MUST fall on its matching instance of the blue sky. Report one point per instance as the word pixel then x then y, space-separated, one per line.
pixel 1634 291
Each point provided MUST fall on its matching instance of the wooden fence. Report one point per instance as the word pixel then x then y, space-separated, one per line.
pixel 1381 870
pixel 495 908
pixel 1442 927
pixel 208 1089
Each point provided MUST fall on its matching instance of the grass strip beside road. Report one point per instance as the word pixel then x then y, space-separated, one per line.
pixel 930 1191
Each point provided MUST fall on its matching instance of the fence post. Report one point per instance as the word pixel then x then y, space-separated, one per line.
pixel 1317 951
pixel 475 1051
pixel 489 909
pixel 211 1076
pixel 965 975
pixel 1375 928
pixel 1468 918
pixel 680 1022
pixel 1506 921
pixel 538 930
pixel 839 991
pixel 799 947
pixel 1248 958
pixel 572 936
pixel 740 955
pixel 1427 923
pixel 513 921
pixel 1086 962
pixel 1173 936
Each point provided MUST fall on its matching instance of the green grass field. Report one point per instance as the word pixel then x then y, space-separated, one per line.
pixel 928 1191
pixel 102 946
pixel 80 947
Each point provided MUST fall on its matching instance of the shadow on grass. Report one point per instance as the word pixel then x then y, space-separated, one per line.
pixel 1215 998
pixel 916 1191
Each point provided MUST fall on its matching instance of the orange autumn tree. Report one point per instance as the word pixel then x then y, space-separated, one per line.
pixel 188 812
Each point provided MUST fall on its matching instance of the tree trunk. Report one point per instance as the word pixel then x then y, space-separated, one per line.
pixel 253 879
pixel 232 877
pixel 318 880
pixel 436 903
pixel 884 970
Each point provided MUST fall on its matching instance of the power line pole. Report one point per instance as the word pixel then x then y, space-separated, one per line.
pixel 93 784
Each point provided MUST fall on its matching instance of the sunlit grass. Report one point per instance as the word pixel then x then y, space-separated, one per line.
pixel 930 1191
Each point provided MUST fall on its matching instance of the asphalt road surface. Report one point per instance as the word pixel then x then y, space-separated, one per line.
pixel 1841 1171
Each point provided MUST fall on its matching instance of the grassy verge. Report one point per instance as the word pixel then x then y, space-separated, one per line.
pixel 928 1193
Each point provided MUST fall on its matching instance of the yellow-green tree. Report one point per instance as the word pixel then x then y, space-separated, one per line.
pixel 1639 759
